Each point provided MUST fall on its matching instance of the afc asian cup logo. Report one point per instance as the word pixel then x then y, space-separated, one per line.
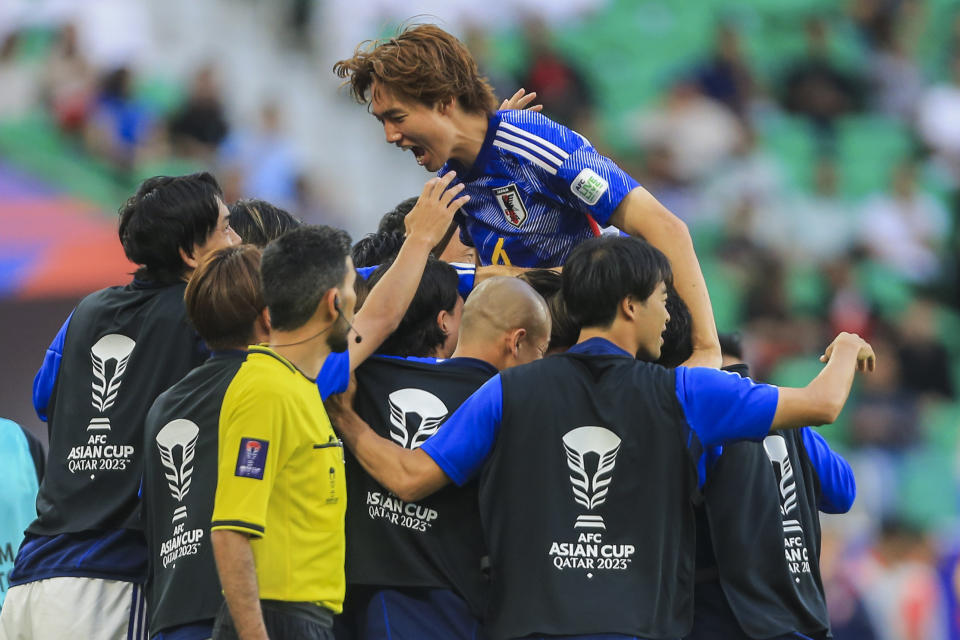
pixel 114 348
pixel 590 490
pixel 422 411
pixel 178 433
pixel 776 448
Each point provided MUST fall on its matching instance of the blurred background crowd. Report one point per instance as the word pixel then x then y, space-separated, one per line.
pixel 813 147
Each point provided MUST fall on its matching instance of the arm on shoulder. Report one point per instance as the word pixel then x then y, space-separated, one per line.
pixel 411 475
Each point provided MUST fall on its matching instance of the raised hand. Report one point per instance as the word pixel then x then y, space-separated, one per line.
pixel 866 359
pixel 433 213
pixel 520 100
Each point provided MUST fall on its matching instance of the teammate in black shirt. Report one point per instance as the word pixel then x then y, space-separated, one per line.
pixel 590 461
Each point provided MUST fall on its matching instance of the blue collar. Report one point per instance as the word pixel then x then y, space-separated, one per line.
pixel 478 169
pixel 598 347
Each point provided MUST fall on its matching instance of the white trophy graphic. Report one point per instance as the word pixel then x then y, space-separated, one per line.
pixel 404 404
pixel 776 448
pixel 591 491
pixel 182 433
pixel 111 347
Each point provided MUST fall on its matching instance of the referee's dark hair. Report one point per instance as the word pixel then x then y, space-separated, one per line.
pixel 167 214
pixel 257 222
pixel 298 268
pixel 602 271
pixel 418 333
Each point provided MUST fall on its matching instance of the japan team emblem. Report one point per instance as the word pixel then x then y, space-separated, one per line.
pixel 511 204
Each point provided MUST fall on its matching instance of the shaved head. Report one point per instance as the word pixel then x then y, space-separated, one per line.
pixel 502 304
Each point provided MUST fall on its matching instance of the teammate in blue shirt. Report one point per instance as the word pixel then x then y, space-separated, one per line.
pixel 657 422
pixel 537 188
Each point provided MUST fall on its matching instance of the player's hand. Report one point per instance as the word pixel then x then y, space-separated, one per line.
pixel 520 100
pixel 866 359
pixel 431 216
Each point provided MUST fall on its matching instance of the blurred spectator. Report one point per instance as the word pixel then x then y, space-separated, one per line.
pixel 200 125
pixel 849 619
pixel 848 308
pixel 886 415
pixel 937 123
pixel 925 361
pixel 900 585
pixel 896 82
pixel 263 160
pixel 750 174
pixel 120 126
pixel 906 228
pixel 822 227
pixel 68 82
pixel 561 89
pixel 17 80
pixel 477 41
pixel 697 131
pixel 818 88
pixel 725 76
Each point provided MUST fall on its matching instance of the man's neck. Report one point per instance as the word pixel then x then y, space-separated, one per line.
pixel 620 335
pixel 479 351
pixel 304 352
pixel 471 132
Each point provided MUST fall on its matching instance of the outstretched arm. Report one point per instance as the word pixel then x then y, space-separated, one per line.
pixel 388 301
pixel 640 214
pixel 238 575
pixel 411 475
pixel 821 401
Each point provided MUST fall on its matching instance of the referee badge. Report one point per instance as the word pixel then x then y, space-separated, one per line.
pixel 252 458
pixel 511 204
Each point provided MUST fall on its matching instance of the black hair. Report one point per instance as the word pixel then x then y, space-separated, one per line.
pixel 731 344
pixel 257 222
pixel 602 271
pixel 377 248
pixel 546 282
pixel 418 333
pixel 298 268
pixel 393 220
pixel 165 215
pixel 678 336
pixel 564 331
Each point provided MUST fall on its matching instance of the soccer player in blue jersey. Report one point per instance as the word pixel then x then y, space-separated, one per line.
pixel 537 188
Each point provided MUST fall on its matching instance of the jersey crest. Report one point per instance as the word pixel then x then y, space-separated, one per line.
pixel 511 204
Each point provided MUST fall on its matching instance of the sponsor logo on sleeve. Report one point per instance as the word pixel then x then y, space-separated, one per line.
pixel 252 458
pixel 589 186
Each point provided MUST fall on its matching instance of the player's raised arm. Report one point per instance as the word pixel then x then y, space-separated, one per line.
pixel 640 214
pixel 426 225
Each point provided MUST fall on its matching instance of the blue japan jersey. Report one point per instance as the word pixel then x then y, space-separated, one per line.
pixel 537 190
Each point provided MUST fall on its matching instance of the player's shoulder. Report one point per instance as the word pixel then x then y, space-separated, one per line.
pixel 534 128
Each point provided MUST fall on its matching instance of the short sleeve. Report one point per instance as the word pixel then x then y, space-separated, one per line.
pixel 465 440
pixel 334 376
pixel 721 406
pixel 46 377
pixel 838 489
pixel 251 428
pixel 593 183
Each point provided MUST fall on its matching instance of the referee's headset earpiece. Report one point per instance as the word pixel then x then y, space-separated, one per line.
pixel 336 303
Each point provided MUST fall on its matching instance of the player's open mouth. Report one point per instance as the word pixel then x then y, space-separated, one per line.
pixel 418 153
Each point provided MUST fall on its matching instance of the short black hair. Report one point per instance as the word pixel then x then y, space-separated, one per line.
pixel 418 333
pixel 731 344
pixel 602 271
pixel 298 268
pixel 564 331
pixel 546 282
pixel 394 220
pixel 167 214
pixel 377 248
pixel 257 222
pixel 678 336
